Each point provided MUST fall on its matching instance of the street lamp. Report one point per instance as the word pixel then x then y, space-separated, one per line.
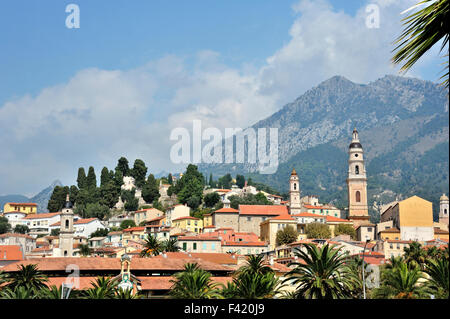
pixel 364 281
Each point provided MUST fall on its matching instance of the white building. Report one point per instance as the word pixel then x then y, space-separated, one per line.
pixel 83 227
pixel 39 224
pixel 15 218
pixel 175 212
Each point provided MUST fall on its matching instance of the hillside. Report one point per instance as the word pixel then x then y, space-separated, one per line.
pixel 403 125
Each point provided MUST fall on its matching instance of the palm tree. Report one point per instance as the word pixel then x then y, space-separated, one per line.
pixel 355 265
pixel 51 292
pixel 254 280
pixel 415 255
pixel 170 245
pixel 19 292
pixel 439 278
pixel 401 282
pixel 423 29
pixel 103 288
pixel 28 276
pixel 85 250
pixel 152 247
pixel 323 275
pixel 394 262
pixel 194 283
pixel 126 294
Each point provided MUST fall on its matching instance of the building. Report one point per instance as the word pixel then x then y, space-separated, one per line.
pixel 205 243
pixel 177 211
pixel 271 226
pixel 27 208
pixel 225 217
pixel 145 215
pixel 334 222
pixel 154 274
pixel 39 224
pixel 133 234
pixel 366 232
pixel 319 209
pixel 25 242
pixel 83 227
pixel 10 254
pixel 443 210
pixel 251 216
pixel 189 224
pixel 294 193
pixel 116 221
pixel 412 219
pixel 115 238
pixel 357 183
pixel 67 231
pixel 15 218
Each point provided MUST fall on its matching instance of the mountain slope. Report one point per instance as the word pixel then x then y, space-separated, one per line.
pixel 404 129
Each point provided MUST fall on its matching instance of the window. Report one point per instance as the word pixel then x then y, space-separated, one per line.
pixel 204 246
pixel 391 246
pixel 358 197
pixel 369 229
pixel 295 186
pixel 184 246
pixel 356 169
pixel 194 246
pixel 67 223
pixel 249 219
pixel 213 246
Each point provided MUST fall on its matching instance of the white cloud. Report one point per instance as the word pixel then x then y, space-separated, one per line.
pixel 100 115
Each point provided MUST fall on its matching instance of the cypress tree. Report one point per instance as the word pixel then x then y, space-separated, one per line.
pixel 81 179
pixel 104 177
pixel 91 179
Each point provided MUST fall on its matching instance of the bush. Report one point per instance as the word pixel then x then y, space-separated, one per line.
pixel 317 230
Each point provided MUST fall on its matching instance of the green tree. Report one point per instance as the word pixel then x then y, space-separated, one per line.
pixel 109 194
pixel 211 199
pixel 401 282
pixel 18 293
pixel 139 172
pixel 103 288
pixel 150 190
pixel 254 280
pixel 322 274
pixel 5 226
pixel 240 181
pixel 152 247
pixel 286 235
pixel 345 229
pixel 21 229
pixel 81 179
pixel 85 250
pixel 438 283
pixel 122 166
pixel 55 232
pixel 170 245
pixel 91 179
pixel 96 210
pixel 28 277
pixel 423 29
pixel 317 230
pixel 194 283
pixel 105 177
pixel 225 181
pixel 127 223
pixel 58 198
pixel 212 184
pixel 170 179
pixel 100 232
pixel 414 255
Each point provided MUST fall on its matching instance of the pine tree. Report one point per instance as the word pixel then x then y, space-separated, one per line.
pixel 105 177
pixel 139 172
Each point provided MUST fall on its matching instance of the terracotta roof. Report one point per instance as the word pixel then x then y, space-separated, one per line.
pixel 147 209
pixel 6 235
pixel 131 229
pixel 335 219
pixel 306 214
pixel 227 210
pixel 14 212
pixel 390 230
pixel 282 217
pixel 39 216
pixel 164 283
pixel 186 217
pixel 114 233
pixel 224 190
pixel 280 267
pixel 101 263
pixel 218 258
pixel 243 243
pixel 155 219
pixel 312 206
pixel 201 237
pixel 80 221
pixel 397 241
pixel 22 204
pixel 263 210
pixel 10 252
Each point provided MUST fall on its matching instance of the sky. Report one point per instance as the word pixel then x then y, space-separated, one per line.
pixel 135 70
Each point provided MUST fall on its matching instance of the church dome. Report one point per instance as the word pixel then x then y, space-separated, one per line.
pixel 444 197
pixel 355 145
pixel 293 172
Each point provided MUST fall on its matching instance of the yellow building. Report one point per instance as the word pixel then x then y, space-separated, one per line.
pixel 333 222
pixel 207 220
pixel 27 208
pixel 271 226
pixel 188 223
pixel 133 233
pixel 413 217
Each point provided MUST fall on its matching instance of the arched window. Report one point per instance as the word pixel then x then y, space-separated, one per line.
pixel 295 186
pixel 67 223
pixel 357 169
pixel 65 253
pixel 445 211
pixel 358 196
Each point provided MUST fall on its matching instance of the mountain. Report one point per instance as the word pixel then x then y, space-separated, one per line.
pixel 41 199
pixel 404 129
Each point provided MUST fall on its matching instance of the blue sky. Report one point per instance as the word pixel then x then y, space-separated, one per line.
pixel 136 69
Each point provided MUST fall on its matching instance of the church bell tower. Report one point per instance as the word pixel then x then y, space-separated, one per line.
pixel 66 230
pixel 294 193
pixel 357 183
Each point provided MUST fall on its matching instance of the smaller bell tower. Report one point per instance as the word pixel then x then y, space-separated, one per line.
pixel 443 209
pixel 294 194
pixel 66 230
